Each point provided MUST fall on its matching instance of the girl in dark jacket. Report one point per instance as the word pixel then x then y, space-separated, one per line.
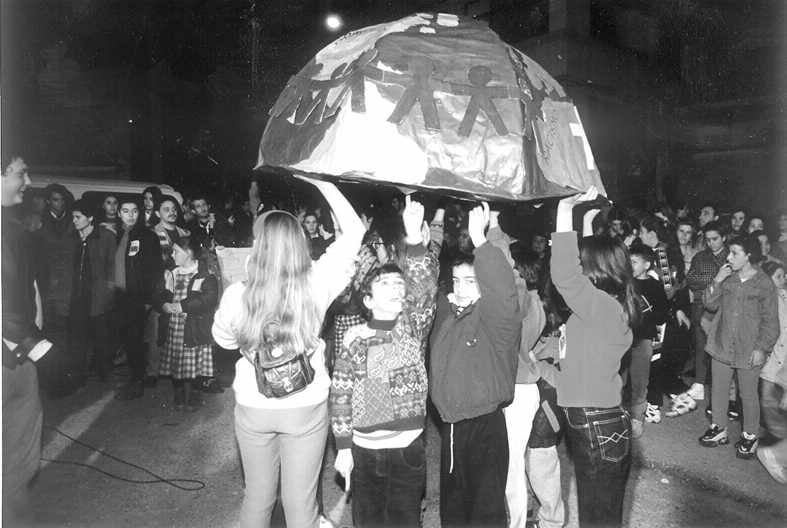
pixel 187 304
pixel 93 292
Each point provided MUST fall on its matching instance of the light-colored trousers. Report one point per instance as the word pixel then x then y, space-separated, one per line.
pixel 287 444
pixel 543 470
pixel 519 421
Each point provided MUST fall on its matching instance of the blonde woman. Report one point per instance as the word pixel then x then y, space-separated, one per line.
pixel 281 384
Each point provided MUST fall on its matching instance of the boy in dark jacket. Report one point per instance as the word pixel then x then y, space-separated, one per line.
pixel 138 270
pixel 379 387
pixel 653 301
pixel 474 347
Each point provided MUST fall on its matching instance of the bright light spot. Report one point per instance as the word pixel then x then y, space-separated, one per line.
pixel 130 121
pixel 334 22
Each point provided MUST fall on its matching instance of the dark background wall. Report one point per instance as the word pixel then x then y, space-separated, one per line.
pixel 682 99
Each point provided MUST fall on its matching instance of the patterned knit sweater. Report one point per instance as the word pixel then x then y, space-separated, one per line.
pixel 379 379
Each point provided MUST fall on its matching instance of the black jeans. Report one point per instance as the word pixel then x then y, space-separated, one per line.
pixel 665 372
pixel 473 472
pixel 388 485
pixel 599 442
pixel 129 331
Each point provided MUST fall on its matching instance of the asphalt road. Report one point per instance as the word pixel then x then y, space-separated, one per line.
pixel 674 482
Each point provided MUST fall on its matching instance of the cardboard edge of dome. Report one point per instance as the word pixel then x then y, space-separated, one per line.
pixel 535 186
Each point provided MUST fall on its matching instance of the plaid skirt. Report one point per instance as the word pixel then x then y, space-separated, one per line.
pixel 178 360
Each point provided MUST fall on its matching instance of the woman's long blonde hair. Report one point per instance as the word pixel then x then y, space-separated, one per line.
pixel 278 309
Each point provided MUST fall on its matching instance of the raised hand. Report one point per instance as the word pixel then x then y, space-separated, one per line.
pixel 413 218
pixel 477 221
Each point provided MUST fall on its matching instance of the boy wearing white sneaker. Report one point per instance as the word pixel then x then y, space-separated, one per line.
pixel 654 312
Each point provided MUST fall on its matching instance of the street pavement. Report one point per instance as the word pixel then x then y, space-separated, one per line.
pixel 674 482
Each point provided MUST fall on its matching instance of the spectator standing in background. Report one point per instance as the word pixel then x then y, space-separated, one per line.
pixel 704 267
pixel 737 224
pixel 209 228
pixel 150 198
pixel 57 239
pixel 773 380
pixel 138 269
pixel 319 239
pixel 744 330
pixel 109 217
pixel 93 294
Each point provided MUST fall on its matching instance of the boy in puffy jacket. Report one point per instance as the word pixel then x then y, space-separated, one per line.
pixel 473 365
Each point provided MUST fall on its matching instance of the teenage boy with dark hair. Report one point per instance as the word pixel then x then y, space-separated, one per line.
pixel 138 269
pixel 379 387
pixel 704 267
pixel 210 229
pixel 474 352
pixel 654 306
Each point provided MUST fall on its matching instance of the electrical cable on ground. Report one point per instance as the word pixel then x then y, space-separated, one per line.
pixel 196 484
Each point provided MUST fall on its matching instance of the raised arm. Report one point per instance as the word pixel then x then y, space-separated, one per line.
pixel 420 271
pixel 499 303
pixel 348 223
pixel 565 267
pixel 335 268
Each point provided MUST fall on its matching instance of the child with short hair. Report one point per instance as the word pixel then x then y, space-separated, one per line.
pixel 654 306
pixel 379 387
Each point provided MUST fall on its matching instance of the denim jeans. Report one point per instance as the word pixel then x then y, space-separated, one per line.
pixel 599 442
pixel 388 485
pixel 281 449
pixel 701 358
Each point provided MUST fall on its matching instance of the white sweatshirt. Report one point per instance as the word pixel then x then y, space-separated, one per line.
pixel 329 276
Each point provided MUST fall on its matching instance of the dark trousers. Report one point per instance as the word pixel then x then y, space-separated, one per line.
pixel 90 342
pixel 388 485
pixel 699 339
pixel 665 372
pixel 55 370
pixel 22 420
pixel 599 442
pixel 130 327
pixel 473 472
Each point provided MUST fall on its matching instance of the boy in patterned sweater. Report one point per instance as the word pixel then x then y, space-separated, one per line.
pixel 379 387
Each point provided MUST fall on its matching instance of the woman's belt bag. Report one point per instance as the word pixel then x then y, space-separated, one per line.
pixel 282 375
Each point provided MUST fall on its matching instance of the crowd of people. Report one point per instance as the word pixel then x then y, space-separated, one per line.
pixel 353 317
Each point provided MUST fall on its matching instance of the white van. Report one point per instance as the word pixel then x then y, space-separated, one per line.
pixel 97 187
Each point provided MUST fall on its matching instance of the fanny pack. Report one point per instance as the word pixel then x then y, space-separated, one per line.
pixel 283 375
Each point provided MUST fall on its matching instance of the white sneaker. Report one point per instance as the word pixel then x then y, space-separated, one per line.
pixel 652 414
pixel 697 391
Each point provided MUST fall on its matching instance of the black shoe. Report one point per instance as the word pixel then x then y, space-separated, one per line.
pixel 131 391
pixel 714 437
pixel 746 447
pixel 151 382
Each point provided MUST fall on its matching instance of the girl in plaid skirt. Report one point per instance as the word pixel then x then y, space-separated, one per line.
pixel 187 304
